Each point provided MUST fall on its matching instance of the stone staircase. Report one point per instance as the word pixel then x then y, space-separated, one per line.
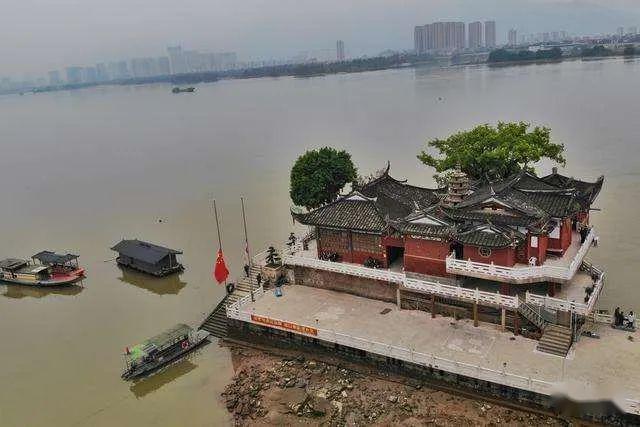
pixel 532 314
pixel 556 340
pixel 216 321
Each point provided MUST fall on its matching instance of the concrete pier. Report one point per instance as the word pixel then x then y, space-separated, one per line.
pixel 605 368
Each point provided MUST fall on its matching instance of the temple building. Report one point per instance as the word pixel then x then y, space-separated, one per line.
pixel 520 220
pixel 524 236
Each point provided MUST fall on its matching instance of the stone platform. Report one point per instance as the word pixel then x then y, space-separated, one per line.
pixel 605 368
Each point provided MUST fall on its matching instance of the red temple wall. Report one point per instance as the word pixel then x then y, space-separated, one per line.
pixel 342 243
pixel 541 251
pixel 561 243
pixel 499 256
pixel 425 256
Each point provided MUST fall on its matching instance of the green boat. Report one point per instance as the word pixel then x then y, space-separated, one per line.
pixel 161 349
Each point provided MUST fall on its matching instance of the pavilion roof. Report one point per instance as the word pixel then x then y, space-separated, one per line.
pixel 489 235
pixel 354 212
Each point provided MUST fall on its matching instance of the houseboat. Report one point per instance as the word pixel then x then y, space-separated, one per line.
pixel 147 257
pixel 161 349
pixel 46 269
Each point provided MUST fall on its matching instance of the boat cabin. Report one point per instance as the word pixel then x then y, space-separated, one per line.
pixel 57 262
pixel 147 257
pixel 22 271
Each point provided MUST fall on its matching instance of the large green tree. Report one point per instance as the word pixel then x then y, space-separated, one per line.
pixel 493 151
pixel 318 176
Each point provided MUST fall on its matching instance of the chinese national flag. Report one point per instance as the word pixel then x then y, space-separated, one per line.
pixel 220 271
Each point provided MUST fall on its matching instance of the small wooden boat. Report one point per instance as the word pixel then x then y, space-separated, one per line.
pixel 161 350
pixel 46 269
pixel 183 90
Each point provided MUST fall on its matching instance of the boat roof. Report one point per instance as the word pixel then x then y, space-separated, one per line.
pixel 143 251
pixel 52 258
pixel 13 263
pixel 171 334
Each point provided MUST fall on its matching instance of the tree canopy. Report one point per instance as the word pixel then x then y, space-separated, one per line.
pixel 318 176
pixel 493 152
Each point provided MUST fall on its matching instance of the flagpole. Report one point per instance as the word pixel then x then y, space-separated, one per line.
pixel 215 212
pixel 246 236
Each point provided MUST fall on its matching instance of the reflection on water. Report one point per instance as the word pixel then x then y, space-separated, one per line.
pixel 164 376
pixel 169 285
pixel 22 291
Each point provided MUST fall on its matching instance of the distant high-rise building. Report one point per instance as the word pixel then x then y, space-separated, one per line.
pixel 490 34
pixel 90 74
pixel 164 66
pixel 439 37
pixel 632 30
pixel 340 50
pixel 54 78
pixel 475 35
pixel 177 60
pixel 101 70
pixel 419 44
pixel 620 31
pixel 555 36
pixel 512 37
pixel 546 37
pixel 74 75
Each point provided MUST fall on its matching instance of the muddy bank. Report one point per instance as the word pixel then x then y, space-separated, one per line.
pixel 269 389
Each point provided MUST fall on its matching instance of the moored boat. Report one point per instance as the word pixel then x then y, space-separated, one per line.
pixel 183 90
pixel 161 349
pixel 46 269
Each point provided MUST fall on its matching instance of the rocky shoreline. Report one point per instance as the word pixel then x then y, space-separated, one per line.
pixel 269 389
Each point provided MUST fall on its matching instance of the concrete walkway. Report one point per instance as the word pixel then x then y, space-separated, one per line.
pixel 595 368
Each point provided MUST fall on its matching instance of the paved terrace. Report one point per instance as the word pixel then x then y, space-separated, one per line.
pixel 595 368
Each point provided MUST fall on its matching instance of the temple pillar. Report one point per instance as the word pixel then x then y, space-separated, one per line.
pixel 433 306
pixel 475 314
pixel 398 300
pixel 503 319
pixel 552 289
pixel 504 288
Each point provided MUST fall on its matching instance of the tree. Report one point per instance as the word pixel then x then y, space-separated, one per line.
pixel 318 176
pixel 493 152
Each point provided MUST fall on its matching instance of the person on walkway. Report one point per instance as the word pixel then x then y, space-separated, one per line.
pixel 617 316
pixel 631 319
pixel 246 270
pixel 259 279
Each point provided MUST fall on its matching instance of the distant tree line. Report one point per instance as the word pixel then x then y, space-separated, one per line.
pixel 504 55
pixel 597 50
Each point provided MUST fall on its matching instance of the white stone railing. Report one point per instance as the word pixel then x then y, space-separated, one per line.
pixel 234 310
pixel 345 268
pixel 473 295
pixel 556 303
pixel 521 274
pixel 410 355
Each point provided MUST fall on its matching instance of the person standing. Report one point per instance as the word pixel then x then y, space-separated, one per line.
pixel 259 279
pixel 246 270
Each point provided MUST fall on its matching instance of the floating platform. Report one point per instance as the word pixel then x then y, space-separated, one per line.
pixel 603 370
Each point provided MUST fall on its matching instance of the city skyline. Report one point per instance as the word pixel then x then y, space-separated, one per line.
pixel 58 35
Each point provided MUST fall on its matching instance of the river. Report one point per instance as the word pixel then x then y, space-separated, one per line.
pixel 82 169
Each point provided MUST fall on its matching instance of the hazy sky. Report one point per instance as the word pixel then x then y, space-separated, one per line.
pixel 39 35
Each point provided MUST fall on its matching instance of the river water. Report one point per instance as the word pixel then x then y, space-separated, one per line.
pixel 80 170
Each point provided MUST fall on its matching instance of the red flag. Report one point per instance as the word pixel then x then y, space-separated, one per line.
pixel 220 271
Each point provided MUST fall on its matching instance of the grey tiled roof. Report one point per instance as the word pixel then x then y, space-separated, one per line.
pixel 361 215
pixel 489 235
